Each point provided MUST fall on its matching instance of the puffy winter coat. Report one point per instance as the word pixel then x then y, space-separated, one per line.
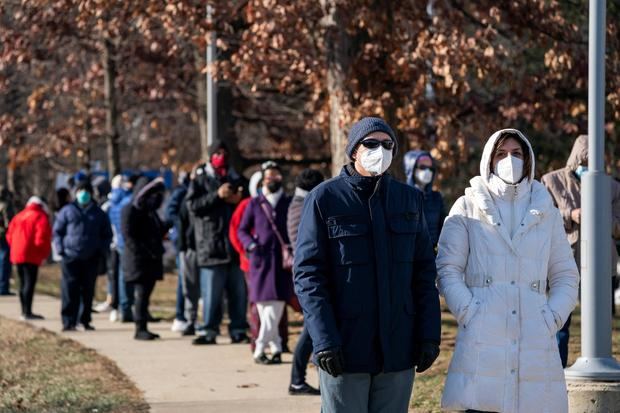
pixel 143 232
pixel 119 197
pixel 365 272
pixel 434 209
pixel 509 277
pixel 235 221
pixel 81 233
pixel 30 236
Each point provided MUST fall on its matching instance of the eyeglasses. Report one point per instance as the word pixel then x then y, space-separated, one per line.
pixel 374 143
pixel 424 168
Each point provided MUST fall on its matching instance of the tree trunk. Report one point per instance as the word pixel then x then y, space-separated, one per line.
pixel 338 61
pixel 111 118
pixel 201 104
pixel 10 170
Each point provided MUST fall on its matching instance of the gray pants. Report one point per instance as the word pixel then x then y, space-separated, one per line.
pixel 365 393
pixel 191 283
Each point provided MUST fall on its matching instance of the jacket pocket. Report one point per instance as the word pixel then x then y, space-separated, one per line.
pixel 549 319
pixel 348 240
pixel 470 312
pixel 404 227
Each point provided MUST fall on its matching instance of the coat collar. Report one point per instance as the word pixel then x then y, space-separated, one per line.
pixel 540 204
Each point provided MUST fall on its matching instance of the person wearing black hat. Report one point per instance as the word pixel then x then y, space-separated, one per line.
pixel 211 200
pixel 365 276
pixel 82 232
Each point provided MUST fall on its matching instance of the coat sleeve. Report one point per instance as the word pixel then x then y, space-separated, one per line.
pixel 562 275
pixel 425 294
pixel 235 222
pixel 60 231
pixel 552 184
pixel 292 221
pixel 453 252
pixel 200 201
pixel 246 226
pixel 173 208
pixel 106 231
pixel 43 235
pixel 311 278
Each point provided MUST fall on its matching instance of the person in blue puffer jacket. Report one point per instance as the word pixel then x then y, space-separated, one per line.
pixel 421 170
pixel 82 232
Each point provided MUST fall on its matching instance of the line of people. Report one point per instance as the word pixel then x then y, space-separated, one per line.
pixel 360 254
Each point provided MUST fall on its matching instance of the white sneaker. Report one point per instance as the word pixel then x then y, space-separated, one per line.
pixel 178 326
pixel 114 316
pixel 103 307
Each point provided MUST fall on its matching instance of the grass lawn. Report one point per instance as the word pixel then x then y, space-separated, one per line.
pixel 43 372
pixel 428 386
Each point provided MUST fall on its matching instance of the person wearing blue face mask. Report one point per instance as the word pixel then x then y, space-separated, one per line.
pixel 565 188
pixel 82 232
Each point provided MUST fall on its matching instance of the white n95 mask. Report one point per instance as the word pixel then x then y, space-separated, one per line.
pixel 510 169
pixel 424 176
pixel 376 161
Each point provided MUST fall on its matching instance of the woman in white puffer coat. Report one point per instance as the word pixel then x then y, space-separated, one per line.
pixel 509 277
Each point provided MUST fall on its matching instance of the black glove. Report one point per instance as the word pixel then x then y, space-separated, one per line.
pixel 331 361
pixel 427 354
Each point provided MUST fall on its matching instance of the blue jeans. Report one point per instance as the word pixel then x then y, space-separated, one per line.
pixel 563 336
pixel 125 293
pixel 5 266
pixel 180 309
pixel 213 281
pixel 302 354
pixel 366 393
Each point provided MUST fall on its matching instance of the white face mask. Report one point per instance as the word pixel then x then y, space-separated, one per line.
pixel 424 176
pixel 509 169
pixel 376 161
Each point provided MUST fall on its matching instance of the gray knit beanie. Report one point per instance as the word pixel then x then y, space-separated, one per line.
pixel 364 127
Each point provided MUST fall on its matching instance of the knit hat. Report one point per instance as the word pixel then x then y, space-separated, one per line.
pixel 364 127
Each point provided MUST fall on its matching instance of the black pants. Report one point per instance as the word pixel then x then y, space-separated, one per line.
pixel 28 274
pixel 77 290
pixel 303 351
pixel 142 291
pixel 114 263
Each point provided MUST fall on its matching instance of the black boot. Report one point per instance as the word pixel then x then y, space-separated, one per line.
pixel 142 333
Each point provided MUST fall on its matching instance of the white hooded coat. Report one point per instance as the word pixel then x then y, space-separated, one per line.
pixel 509 277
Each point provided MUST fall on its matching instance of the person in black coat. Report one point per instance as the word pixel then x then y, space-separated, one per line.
pixel 365 277
pixel 143 233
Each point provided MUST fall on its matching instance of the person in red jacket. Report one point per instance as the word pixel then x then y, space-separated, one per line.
pixel 30 238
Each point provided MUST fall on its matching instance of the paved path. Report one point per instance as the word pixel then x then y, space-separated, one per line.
pixel 178 377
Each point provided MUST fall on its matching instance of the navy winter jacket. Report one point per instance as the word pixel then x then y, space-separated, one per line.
pixel 434 209
pixel 365 272
pixel 81 233
pixel 172 213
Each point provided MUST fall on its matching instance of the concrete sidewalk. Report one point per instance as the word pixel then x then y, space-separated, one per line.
pixel 178 377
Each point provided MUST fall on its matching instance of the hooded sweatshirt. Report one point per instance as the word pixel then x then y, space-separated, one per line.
pixel 434 210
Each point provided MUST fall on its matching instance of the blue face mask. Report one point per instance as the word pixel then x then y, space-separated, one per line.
pixel 83 197
pixel 580 171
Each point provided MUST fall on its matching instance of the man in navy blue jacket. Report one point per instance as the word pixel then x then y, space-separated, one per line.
pixel 82 232
pixel 365 276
